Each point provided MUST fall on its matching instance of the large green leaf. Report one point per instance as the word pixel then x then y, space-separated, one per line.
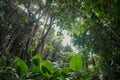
pixel 47 68
pixel 76 62
pixel 21 65
pixel 36 60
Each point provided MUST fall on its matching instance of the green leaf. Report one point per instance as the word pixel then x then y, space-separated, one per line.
pixel 47 68
pixel 76 62
pixel 36 69
pixel 66 70
pixel 21 65
pixel 36 59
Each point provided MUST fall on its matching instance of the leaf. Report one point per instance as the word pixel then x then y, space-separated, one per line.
pixel 66 70
pixel 21 65
pixel 36 59
pixel 76 62
pixel 36 69
pixel 47 68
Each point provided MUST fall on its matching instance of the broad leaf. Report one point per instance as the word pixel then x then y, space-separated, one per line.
pixel 47 68
pixel 36 59
pixel 75 62
pixel 21 65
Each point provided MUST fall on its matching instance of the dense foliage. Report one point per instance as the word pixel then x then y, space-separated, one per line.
pixel 31 35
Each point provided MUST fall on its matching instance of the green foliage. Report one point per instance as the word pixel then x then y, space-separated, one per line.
pixel 7 70
pixel 21 65
pixel 76 62
pixel 36 60
pixel 47 68
pixel 68 48
pixel 27 28
pixel 36 69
